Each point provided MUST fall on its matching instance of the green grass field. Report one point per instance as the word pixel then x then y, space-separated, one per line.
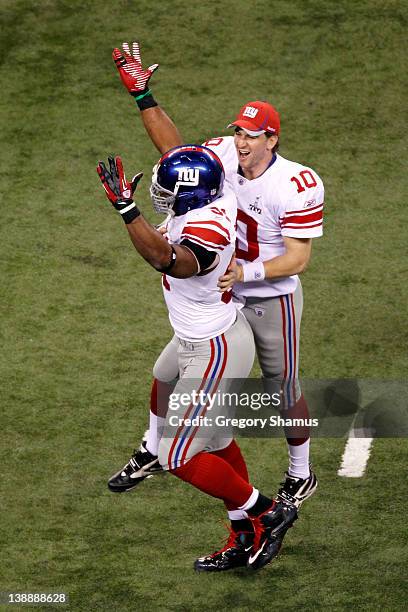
pixel 82 317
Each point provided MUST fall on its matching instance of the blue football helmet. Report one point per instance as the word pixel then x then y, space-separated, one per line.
pixel 185 178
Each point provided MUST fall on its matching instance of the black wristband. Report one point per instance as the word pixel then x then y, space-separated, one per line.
pixel 167 269
pixel 128 210
pixel 144 99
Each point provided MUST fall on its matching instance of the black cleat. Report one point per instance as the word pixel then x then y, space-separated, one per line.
pixel 296 490
pixel 142 464
pixel 235 553
pixel 270 528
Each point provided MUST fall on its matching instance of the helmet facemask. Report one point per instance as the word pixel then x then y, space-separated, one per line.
pixel 162 199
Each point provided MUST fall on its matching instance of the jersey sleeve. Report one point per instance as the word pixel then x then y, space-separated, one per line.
pixel 213 226
pixel 204 257
pixel 208 233
pixel 301 214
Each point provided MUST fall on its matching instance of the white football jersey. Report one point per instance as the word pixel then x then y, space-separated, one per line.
pixel 286 200
pixel 197 309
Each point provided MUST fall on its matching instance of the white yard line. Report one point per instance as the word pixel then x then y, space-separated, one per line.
pixel 355 456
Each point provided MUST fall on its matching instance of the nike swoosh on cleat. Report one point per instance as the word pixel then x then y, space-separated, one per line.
pixel 137 474
pixel 256 555
pixel 144 469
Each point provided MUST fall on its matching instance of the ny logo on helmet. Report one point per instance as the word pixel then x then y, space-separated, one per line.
pixel 250 111
pixel 187 176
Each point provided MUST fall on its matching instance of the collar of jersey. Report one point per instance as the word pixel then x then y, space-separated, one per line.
pixel 273 160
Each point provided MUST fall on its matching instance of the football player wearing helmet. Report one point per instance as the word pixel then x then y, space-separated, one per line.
pixel 280 210
pixel 212 347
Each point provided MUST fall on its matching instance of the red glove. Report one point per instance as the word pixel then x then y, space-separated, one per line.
pixel 129 64
pixel 118 189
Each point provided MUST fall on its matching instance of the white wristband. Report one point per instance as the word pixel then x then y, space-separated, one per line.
pixel 254 271
pixel 127 208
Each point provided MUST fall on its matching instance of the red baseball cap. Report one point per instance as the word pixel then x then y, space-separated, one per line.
pixel 257 118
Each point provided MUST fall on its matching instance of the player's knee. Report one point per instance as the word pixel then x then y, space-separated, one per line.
pixel 164 374
pixel 157 370
pixel 165 370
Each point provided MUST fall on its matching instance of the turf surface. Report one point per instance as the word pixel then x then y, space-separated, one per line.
pixel 82 318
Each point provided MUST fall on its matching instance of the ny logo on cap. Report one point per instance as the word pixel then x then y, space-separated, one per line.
pixel 187 176
pixel 250 111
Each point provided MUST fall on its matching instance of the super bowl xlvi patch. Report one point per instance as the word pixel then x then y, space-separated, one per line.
pixel 259 311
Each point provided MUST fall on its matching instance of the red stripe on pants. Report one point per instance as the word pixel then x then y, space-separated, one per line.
pixel 213 391
pixel 186 415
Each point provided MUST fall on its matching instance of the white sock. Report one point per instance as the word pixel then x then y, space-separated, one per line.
pixel 299 460
pixel 156 424
pixel 237 515
pixel 251 501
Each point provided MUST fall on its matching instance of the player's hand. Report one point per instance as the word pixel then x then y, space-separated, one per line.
pixel 132 74
pixel 234 274
pixel 118 189
pixel 162 229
